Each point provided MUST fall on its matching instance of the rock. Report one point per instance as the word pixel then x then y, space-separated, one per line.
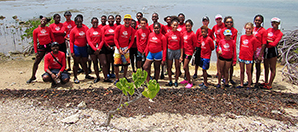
pixel 150 100
pixel 276 112
pixel 82 105
pixel 21 72
pixel 71 119
pixel 67 104
pixel 12 84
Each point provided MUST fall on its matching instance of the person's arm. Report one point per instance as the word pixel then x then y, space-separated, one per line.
pixel 63 62
pixel 234 54
pixel 35 36
pixel 116 36
pixel 212 33
pixel 71 40
pixel 89 39
pixel 276 40
pixel 164 46
pixel 212 47
pixel 181 48
pixel 132 39
pixel 52 35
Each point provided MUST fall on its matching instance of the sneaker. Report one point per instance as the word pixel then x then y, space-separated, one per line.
pixel 227 85
pixel 239 87
pixel 169 84
pixel 202 84
pixel 218 86
pixel 128 80
pixel 76 81
pixel 89 77
pixel 232 82
pixel 108 80
pixel 189 85
pixel 30 80
pixel 162 76
pixel 184 82
pixel 176 84
pixel 96 80
pixel 112 75
pixel 116 81
pixel 204 87
pixel 108 76
pixel 53 85
pixel 245 84
pixel 195 76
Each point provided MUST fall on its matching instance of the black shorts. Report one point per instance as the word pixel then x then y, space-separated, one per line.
pixel 107 50
pixel 133 51
pixel 62 47
pixel 64 74
pixel 187 56
pixel 91 51
pixel 270 53
pixel 224 59
pixel 198 57
pixel 44 48
pixel 140 56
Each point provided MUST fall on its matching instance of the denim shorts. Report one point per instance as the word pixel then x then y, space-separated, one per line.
pixel 154 56
pixel 246 61
pixel 80 51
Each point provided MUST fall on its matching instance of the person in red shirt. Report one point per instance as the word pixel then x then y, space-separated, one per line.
pixel 181 27
pixel 109 45
pixel 118 20
pixel 141 40
pixel 216 33
pixel 175 51
pixel 103 20
pixel 156 51
pixel 168 27
pixel 205 21
pixel 227 56
pixel 139 16
pixel 274 35
pixel 189 43
pixel 54 66
pixel 59 32
pixel 154 20
pixel 122 35
pixel 228 21
pixel 248 45
pixel 207 46
pixel 133 51
pixel 68 25
pixel 78 48
pixel 42 38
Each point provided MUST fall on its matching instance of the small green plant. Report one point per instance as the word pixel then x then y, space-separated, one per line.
pixel 139 81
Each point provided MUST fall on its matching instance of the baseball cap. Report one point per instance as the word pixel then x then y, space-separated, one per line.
pixel 67 13
pixel 127 16
pixel 218 16
pixel 227 32
pixel 54 43
pixel 275 19
pixel 205 18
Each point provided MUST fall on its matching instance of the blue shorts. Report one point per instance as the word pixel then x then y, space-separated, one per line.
pixel 154 56
pixel 64 74
pixel 205 63
pixel 245 61
pixel 80 51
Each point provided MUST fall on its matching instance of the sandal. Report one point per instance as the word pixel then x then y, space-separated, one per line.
pixel 30 80
pixel 239 87
pixel 268 87
pixel 76 81
pixel 89 77
pixel 169 84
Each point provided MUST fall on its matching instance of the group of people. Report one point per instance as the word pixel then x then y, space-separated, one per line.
pixel 137 43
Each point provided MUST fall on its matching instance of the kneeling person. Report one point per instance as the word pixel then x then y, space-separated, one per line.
pixel 54 66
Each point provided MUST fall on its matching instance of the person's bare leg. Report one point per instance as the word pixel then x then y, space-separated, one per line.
pixel 157 69
pixel 272 63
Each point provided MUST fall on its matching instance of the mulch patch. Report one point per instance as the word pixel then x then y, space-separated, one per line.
pixel 253 102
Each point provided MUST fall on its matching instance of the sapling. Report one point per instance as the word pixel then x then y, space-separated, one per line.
pixel 151 88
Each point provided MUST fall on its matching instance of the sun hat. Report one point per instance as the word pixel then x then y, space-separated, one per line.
pixel 127 16
pixel 54 43
pixel 205 18
pixel 275 19
pixel 218 16
pixel 227 32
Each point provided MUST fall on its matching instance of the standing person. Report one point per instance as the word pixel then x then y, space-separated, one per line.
pixel 59 32
pixel 205 21
pixel 248 45
pixel 68 26
pixel 229 25
pixel 78 48
pixel 54 66
pixel 121 39
pixel 42 39
pixel 261 34
pixel 189 43
pixel 271 53
pixel 118 20
pixel 227 55
pixel 168 27
pixel 157 50
pixel 94 38
pixel 181 27
pixel 109 45
pixel 154 20
pixel 141 40
pixel 175 51
pixel 103 20
pixel 133 50
pixel 207 46
pixel 216 34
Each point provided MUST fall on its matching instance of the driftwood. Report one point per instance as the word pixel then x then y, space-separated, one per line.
pixel 288 49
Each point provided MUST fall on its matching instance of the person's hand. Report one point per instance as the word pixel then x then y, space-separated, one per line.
pixel 270 41
pixel 163 63
pixel 96 52
pixel 260 57
pixel 120 51
pixel 234 64
pixel 125 51
pixel 73 54
pixel 219 52
pixel 181 59
pixel 53 76
pixel 58 75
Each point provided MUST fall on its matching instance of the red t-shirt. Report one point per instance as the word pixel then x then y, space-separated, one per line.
pixel 207 46
pixel 189 42
pixel 173 40
pixel 157 43
pixel 142 38
pixel 216 31
pixel 163 29
pixel 101 26
pixel 123 35
pixel 78 37
pixel 181 28
pixel 138 25
pixel 234 33
pixel 228 48
pixel 58 31
pixel 167 28
pixel 248 45
pixel 51 63
pixel 68 25
pixel 261 35
pixel 199 34
pixel 273 35
pixel 108 34
pixel 43 35
pixel 94 37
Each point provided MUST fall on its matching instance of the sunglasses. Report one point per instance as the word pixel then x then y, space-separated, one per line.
pixel 229 22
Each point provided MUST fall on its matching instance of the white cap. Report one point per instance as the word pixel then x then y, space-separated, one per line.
pixel 218 16
pixel 275 19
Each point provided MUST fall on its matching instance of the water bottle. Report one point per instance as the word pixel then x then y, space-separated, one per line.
pixel 123 59
pixel 57 80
